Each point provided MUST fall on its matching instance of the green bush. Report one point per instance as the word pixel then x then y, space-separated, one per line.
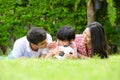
pixel 17 16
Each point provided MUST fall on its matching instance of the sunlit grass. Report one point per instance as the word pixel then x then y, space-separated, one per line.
pixel 52 69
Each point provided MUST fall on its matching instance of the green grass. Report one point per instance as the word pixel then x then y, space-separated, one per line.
pixel 51 69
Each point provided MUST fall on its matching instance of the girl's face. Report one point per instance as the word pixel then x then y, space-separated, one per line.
pixel 87 36
pixel 62 43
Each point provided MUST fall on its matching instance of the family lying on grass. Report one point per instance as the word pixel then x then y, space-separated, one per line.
pixel 38 43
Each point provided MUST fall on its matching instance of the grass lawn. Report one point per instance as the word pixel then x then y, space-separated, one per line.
pixel 51 69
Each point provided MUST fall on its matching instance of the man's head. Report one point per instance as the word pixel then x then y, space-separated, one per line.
pixel 37 36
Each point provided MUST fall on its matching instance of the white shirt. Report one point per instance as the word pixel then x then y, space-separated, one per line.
pixel 22 48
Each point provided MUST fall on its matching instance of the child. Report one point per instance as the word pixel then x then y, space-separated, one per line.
pixel 65 47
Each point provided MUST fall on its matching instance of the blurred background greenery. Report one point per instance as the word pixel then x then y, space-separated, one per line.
pixel 17 17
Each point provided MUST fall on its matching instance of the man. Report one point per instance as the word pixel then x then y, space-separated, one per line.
pixel 34 44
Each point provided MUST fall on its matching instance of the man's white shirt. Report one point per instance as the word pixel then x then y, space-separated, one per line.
pixel 22 48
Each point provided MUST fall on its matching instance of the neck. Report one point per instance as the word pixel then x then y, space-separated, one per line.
pixel 88 46
pixel 33 47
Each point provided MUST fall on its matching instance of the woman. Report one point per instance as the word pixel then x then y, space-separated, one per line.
pixel 92 41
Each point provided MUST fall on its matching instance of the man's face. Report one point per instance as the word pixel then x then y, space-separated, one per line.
pixel 42 44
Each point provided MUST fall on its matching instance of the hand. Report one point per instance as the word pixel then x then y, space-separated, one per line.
pixel 53 52
pixel 56 51
pixel 68 56
pixel 52 45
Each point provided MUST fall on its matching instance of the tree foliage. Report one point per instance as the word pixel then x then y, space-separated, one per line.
pixel 17 16
pixel 111 10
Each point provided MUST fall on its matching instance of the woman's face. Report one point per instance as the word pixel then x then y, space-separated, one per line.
pixel 87 36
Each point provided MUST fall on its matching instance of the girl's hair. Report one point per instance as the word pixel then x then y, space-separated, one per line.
pixel 65 33
pixel 98 39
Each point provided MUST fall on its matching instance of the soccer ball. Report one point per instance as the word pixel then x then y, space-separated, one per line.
pixel 64 50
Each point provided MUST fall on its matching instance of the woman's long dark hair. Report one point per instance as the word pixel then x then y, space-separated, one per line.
pixel 98 39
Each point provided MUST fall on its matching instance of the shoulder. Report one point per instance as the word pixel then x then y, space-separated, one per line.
pixel 19 47
pixel 79 35
pixel 21 41
pixel 49 37
pixel 79 41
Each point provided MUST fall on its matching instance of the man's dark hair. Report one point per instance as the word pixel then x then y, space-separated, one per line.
pixel 36 35
pixel 65 33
